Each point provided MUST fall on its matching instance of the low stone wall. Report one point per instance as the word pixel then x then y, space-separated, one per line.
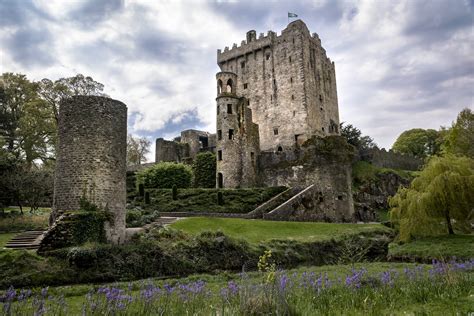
pixel 389 159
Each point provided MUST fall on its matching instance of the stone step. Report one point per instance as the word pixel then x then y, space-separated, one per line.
pixel 26 240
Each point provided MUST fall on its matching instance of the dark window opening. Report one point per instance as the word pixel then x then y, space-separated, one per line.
pixel 217 109
pixel 248 102
pixel 267 56
pixel 321 109
pixel 292 97
pixel 229 85
pixel 321 98
pixel 220 180
pixel 219 135
pixel 219 86
pixel 204 141
pixel 294 113
pixel 242 64
pixel 290 59
pixel 275 131
pixel 274 83
pixel 280 149
pixel 321 199
pixel 291 80
pixel 322 129
pixel 229 108
pixel 231 134
pixel 245 85
pixel 252 156
pixel 293 40
pixel 219 155
pixel 339 197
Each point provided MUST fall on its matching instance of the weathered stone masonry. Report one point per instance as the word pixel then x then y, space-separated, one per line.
pixel 91 159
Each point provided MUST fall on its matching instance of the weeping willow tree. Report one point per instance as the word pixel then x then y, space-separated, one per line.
pixel 440 200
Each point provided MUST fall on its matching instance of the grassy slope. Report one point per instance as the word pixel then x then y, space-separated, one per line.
pixel 4 238
pixel 255 231
pixel 460 246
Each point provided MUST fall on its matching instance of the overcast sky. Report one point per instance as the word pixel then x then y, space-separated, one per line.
pixel 399 64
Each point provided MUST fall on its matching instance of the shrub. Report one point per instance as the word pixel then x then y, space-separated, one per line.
pixel 147 198
pixel 204 168
pixel 175 192
pixel 166 174
pixel 220 198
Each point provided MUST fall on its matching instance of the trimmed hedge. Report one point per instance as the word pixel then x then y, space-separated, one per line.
pixel 164 175
pixel 204 168
pixel 206 200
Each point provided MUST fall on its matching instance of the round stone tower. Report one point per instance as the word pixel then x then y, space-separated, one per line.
pixel 91 159
pixel 237 136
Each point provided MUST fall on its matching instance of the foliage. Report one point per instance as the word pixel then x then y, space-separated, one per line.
pixel 354 137
pixel 137 149
pixel 204 168
pixel 438 247
pixel 166 174
pixel 460 139
pixel 139 217
pixel 174 191
pixel 364 172
pixel 369 289
pixel 206 200
pixel 443 192
pixel 418 142
pixel 147 198
pixel 16 222
pixel 54 92
pixel 220 198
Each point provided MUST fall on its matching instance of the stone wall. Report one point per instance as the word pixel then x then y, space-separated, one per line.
pixel 389 159
pixel 324 163
pixel 170 151
pixel 91 159
pixel 185 147
pixel 289 82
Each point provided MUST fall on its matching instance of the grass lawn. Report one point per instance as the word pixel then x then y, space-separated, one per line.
pixel 13 221
pixel 460 246
pixel 255 231
pixel 4 238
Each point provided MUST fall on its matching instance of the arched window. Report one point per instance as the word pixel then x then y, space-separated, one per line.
pixel 219 86
pixel 280 149
pixel 229 87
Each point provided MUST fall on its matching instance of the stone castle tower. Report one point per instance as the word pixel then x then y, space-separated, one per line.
pixel 274 93
pixel 286 78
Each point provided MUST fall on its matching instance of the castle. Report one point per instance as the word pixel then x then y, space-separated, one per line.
pixel 275 93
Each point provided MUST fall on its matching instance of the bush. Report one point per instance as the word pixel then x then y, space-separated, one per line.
pixel 204 168
pixel 166 174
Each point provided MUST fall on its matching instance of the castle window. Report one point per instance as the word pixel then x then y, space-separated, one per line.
pixel 275 131
pixel 321 97
pixel 229 108
pixel 321 108
pixel 245 85
pixel 219 135
pixel 267 56
pixel 219 86
pixel 294 113
pixel 220 180
pixel 218 109
pixel 289 58
pixel 292 97
pixel 242 64
pixel 231 134
pixel 252 156
pixel 229 86
pixel 275 83
pixel 248 102
pixel 339 197
pixel 291 80
pixel 280 149
pixel 219 155
pixel 293 40
pixel 322 129
pixel 321 199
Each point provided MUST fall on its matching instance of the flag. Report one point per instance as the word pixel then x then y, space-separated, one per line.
pixel 292 15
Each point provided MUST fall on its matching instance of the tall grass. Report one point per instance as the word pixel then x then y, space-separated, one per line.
pixel 442 287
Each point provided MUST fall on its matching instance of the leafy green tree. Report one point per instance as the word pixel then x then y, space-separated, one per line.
pixel 354 137
pixel 418 142
pixel 443 192
pixel 54 91
pixel 164 175
pixel 460 138
pixel 137 149
pixel 204 168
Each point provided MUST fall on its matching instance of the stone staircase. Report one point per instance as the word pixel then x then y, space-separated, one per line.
pixel 26 240
pixel 273 203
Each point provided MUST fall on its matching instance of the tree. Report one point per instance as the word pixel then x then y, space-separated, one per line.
pixel 418 142
pixel 54 92
pixel 354 137
pixel 443 192
pixel 460 138
pixel 137 149
pixel 204 168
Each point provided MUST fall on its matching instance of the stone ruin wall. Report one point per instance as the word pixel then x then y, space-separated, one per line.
pixel 285 78
pixel 312 164
pixel 91 158
pixel 185 147
pixel 389 159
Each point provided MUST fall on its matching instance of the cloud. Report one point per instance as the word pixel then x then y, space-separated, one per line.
pixel 399 65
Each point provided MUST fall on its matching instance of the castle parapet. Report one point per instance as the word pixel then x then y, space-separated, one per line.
pixel 252 45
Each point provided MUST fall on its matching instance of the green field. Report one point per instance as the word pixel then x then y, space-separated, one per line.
pixel 4 238
pixel 447 246
pixel 255 231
